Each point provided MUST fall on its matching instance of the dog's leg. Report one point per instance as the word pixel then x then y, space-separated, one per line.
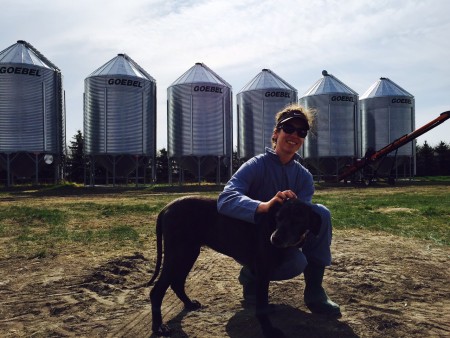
pixel 156 298
pixel 183 267
pixel 264 263
pixel 177 265
pixel 263 309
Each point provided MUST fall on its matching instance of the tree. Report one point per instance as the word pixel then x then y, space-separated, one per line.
pixel 442 152
pixel 75 159
pixel 162 165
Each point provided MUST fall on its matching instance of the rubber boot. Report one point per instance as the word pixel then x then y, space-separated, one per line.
pixel 316 299
pixel 247 279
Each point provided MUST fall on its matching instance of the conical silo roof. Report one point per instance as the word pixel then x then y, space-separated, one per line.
pixel 200 73
pixel 384 87
pixel 24 52
pixel 329 84
pixel 122 64
pixel 267 79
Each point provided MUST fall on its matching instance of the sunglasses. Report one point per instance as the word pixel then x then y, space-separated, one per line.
pixel 289 129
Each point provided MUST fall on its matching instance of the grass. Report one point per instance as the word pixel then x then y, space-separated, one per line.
pixel 440 179
pixel 45 222
pixel 411 211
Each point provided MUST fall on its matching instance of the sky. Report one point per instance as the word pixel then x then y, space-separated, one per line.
pixel 357 41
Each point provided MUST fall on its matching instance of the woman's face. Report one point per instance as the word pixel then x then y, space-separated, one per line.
pixel 289 144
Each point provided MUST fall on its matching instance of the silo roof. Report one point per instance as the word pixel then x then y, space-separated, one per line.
pixel 329 84
pixel 122 64
pixel 200 73
pixel 384 87
pixel 24 52
pixel 267 79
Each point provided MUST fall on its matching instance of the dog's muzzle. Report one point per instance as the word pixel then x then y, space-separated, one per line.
pixel 302 239
pixel 284 244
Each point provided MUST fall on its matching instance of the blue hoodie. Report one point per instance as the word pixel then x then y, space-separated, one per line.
pixel 258 180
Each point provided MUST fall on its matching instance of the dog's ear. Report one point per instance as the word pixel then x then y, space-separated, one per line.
pixel 316 222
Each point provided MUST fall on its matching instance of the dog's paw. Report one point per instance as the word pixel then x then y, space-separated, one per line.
pixel 162 331
pixel 192 306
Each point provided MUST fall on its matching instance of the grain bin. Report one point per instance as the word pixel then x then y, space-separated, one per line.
pixel 199 121
pixel 32 114
pixel 387 113
pixel 257 104
pixel 120 117
pixel 332 144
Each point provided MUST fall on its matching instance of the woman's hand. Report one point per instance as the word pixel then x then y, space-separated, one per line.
pixel 279 197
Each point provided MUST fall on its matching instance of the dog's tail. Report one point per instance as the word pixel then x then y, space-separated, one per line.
pixel 159 250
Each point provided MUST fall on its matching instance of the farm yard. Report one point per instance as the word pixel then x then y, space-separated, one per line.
pixel 73 261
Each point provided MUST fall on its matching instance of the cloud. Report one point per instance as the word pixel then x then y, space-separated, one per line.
pixel 357 41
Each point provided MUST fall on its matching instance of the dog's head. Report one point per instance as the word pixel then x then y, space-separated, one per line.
pixel 294 221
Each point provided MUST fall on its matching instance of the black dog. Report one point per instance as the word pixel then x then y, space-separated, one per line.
pixel 191 222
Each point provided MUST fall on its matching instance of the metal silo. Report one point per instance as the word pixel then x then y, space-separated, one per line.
pixel 257 104
pixel 332 144
pixel 199 121
pixel 120 117
pixel 387 113
pixel 32 114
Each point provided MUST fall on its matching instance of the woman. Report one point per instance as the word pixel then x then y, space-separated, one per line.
pixel 271 178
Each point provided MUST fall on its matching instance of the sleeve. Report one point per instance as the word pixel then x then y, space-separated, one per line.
pixel 306 189
pixel 234 200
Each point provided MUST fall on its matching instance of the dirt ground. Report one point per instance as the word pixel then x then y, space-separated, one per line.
pixel 387 286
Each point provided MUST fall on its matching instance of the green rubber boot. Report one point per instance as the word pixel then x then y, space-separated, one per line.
pixel 316 299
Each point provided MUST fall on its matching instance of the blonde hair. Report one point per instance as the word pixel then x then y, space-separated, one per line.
pixel 307 112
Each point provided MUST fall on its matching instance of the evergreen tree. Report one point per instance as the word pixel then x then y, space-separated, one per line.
pixel 442 152
pixel 425 160
pixel 75 159
pixel 162 165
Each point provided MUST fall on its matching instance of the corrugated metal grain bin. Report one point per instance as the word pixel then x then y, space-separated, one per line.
pixel 199 121
pixel 333 141
pixel 120 115
pixel 257 104
pixel 32 114
pixel 387 113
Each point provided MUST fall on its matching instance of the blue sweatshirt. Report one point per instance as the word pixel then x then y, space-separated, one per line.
pixel 258 180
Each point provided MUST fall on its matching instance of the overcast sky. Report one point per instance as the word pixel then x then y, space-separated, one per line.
pixel 358 41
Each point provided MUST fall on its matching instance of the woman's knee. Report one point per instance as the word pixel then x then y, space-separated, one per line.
pixel 291 267
pixel 323 211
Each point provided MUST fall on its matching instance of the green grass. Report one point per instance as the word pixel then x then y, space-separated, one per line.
pixel 439 179
pixel 110 210
pixel 31 215
pixel 38 223
pixel 26 223
pixel 403 212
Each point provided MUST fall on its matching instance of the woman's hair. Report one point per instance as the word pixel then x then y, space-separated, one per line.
pixel 306 112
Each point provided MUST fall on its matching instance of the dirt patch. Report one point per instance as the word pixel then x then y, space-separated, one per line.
pixel 387 286
pixel 393 210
